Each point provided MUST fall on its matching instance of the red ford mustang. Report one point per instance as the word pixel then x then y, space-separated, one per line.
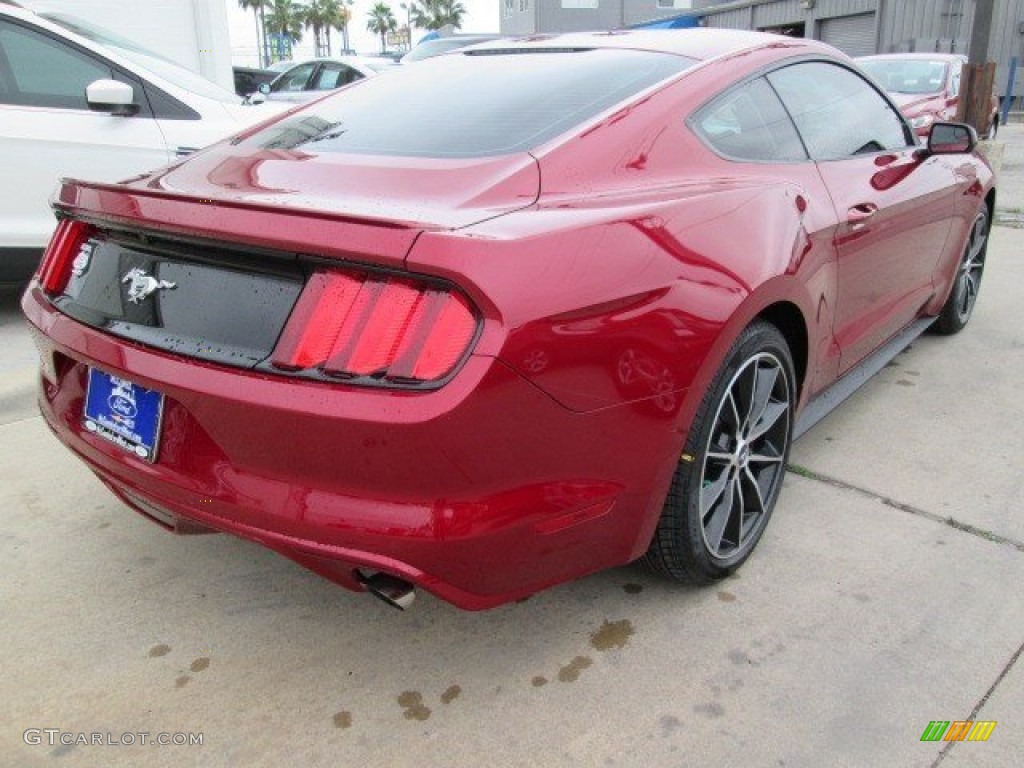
pixel 512 315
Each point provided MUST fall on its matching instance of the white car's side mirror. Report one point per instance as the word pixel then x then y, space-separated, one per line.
pixel 111 96
pixel 256 98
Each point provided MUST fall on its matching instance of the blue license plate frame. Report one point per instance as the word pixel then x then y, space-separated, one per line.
pixel 124 413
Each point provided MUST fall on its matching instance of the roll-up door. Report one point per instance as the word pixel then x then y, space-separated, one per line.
pixel 853 35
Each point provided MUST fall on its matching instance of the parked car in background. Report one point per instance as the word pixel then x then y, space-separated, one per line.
pixel 249 79
pixel 430 48
pixel 925 86
pixel 78 101
pixel 488 338
pixel 310 79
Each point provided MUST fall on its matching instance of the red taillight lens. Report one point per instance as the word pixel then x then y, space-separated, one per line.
pixel 366 325
pixel 67 240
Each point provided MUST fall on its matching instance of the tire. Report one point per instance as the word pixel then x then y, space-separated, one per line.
pixel 967 281
pixel 725 487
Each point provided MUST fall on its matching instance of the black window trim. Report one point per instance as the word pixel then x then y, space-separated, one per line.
pixel 310 79
pixel 181 111
pixel 763 72
pixel 694 118
pixel 908 134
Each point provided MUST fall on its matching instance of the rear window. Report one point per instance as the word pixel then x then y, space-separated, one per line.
pixel 471 105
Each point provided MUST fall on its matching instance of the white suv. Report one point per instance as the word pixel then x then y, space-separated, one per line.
pixel 78 101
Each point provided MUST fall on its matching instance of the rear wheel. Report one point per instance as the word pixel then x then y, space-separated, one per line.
pixel 967 282
pixel 731 471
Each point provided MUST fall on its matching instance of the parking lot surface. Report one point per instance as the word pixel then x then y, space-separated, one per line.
pixel 886 594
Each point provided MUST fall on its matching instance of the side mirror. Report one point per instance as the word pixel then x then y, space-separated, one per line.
pixel 264 89
pixel 951 139
pixel 111 96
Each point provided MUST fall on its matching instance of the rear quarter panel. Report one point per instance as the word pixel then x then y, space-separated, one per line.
pixel 645 257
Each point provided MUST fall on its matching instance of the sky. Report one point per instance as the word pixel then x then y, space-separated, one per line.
pixel 481 16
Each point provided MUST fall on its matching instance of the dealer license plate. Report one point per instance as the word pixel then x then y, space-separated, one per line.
pixel 124 413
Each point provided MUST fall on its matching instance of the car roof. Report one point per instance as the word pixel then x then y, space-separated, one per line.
pixel 695 43
pixel 915 57
pixel 358 62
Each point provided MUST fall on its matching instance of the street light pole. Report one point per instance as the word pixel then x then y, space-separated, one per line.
pixel 407 7
pixel 976 85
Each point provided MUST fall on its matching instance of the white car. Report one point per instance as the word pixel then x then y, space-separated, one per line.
pixel 310 79
pixel 78 101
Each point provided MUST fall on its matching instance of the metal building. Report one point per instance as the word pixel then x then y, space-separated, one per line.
pixel 858 27
pixel 861 27
pixel 526 17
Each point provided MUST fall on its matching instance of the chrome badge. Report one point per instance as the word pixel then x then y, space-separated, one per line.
pixel 142 285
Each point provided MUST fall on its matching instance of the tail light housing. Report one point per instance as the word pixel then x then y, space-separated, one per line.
pixel 65 245
pixel 377 328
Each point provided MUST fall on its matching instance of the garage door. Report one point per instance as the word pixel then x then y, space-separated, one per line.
pixel 854 35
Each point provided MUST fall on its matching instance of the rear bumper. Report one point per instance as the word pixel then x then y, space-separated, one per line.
pixel 480 492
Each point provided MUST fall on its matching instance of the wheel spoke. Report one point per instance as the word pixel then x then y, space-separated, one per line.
pixel 760 458
pixel 715 529
pixel 978 237
pixel 710 494
pixel 739 515
pixel 764 384
pixel 773 412
pixel 743 395
pixel 757 488
pixel 736 421
pixel 744 456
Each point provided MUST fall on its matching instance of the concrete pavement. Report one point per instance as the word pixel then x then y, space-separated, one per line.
pixel 885 594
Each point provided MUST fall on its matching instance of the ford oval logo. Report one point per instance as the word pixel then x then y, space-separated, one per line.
pixel 122 398
pixel 122 405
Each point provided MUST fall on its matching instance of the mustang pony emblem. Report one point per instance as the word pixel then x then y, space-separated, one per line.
pixel 142 284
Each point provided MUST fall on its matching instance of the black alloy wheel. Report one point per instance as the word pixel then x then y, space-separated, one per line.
pixel 967 282
pixel 731 471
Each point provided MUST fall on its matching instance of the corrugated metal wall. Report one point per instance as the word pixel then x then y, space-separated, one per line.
pixel 552 17
pixel 855 35
pixel 945 25
pixel 1008 41
pixel 901 25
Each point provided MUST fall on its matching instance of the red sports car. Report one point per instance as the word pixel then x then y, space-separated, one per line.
pixel 510 316
pixel 926 87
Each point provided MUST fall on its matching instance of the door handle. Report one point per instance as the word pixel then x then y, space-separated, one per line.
pixel 861 213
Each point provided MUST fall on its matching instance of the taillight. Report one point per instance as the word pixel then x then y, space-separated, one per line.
pixel 67 241
pixel 364 325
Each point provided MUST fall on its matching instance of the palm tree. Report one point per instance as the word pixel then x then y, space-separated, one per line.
pixel 337 15
pixel 435 14
pixel 315 15
pixel 285 18
pixel 257 6
pixel 382 20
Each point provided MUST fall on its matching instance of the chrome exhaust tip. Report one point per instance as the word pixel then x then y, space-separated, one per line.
pixel 394 591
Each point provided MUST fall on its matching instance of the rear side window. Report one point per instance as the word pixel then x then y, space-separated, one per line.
pixel 750 123
pixel 333 76
pixel 837 112
pixel 472 105
pixel 42 72
pixel 294 79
